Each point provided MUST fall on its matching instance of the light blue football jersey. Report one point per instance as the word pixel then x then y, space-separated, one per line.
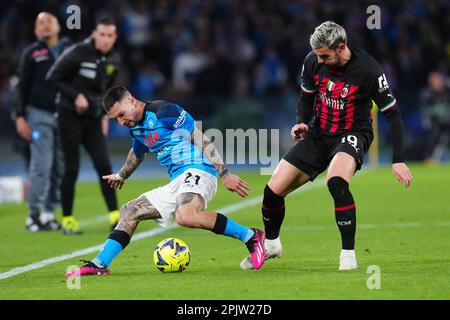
pixel 166 130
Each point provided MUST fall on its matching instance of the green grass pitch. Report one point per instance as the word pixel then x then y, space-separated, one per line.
pixel 404 232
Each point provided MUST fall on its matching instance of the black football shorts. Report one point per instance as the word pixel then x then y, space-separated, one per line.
pixel 315 151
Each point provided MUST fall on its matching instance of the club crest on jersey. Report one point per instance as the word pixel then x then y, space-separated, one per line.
pixel 150 123
pixel 344 92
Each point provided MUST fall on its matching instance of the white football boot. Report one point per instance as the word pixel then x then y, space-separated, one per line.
pixel 347 260
pixel 273 250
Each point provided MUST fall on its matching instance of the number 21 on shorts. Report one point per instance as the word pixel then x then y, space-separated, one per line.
pixel 189 176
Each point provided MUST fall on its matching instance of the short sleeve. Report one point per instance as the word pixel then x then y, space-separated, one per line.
pixel 138 148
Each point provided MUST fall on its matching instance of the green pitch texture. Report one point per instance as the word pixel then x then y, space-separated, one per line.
pixel 405 232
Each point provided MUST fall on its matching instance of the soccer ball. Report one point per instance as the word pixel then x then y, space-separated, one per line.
pixel 171 255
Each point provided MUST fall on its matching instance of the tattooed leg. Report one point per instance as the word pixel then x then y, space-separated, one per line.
pixel 134 211
pixel 189 212
pixel 130 215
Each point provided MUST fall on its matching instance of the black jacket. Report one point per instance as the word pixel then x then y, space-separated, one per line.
pixel 84 69
pixel 32 88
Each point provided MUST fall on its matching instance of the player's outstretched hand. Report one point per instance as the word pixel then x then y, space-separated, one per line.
pixel 114 181
pixel 402 173
pixel 298 130
pixel 235 184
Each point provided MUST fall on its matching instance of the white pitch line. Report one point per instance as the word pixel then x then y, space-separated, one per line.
pixel 145 234
pixel 141 235
pixel 89 222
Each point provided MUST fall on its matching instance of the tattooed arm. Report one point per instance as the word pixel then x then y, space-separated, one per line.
pixel 133 161
pixel 230 181
pixel 117 180
pixel 210 151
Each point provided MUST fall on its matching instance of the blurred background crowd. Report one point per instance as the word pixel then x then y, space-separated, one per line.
pixel 236 63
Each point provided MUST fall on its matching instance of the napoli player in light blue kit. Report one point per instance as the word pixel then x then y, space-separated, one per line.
pixel 193 164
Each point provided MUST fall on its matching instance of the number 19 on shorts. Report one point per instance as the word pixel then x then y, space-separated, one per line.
pixel 352 140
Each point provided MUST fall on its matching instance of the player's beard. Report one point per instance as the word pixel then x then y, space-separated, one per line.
pixel 332 66
pixel 336 64
pixel 134 119
pixel 339 63
pixel 47 36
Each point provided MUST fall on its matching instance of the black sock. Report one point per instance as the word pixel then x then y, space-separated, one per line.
pixel 273 213
pixel 121 237
pixel 221 223
pixel 345 211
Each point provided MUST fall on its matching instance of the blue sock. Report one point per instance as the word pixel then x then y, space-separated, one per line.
pixel 110 250
pixel 235 230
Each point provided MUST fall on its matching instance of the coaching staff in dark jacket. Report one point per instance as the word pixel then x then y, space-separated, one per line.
pixel 37 122
pixel 82 74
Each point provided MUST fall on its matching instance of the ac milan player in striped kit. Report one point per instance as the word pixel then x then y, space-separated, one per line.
pixel 334 131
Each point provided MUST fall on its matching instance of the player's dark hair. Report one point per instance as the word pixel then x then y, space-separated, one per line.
pixel 105 20
pixel 113 95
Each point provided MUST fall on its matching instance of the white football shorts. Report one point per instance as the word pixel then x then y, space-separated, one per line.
pixel 191 180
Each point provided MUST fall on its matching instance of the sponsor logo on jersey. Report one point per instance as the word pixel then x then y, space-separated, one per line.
pixel 151 139
pixel 181 119
pixel 37 53
pixel 336 104
pixel 161 152
pixel 382 83
pixel 40 55
pixel 139 133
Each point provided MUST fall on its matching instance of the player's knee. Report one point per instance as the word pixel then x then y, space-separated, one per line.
pixel 337 186
pixel 184 216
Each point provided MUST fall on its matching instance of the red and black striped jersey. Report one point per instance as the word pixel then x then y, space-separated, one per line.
pixel 343 96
